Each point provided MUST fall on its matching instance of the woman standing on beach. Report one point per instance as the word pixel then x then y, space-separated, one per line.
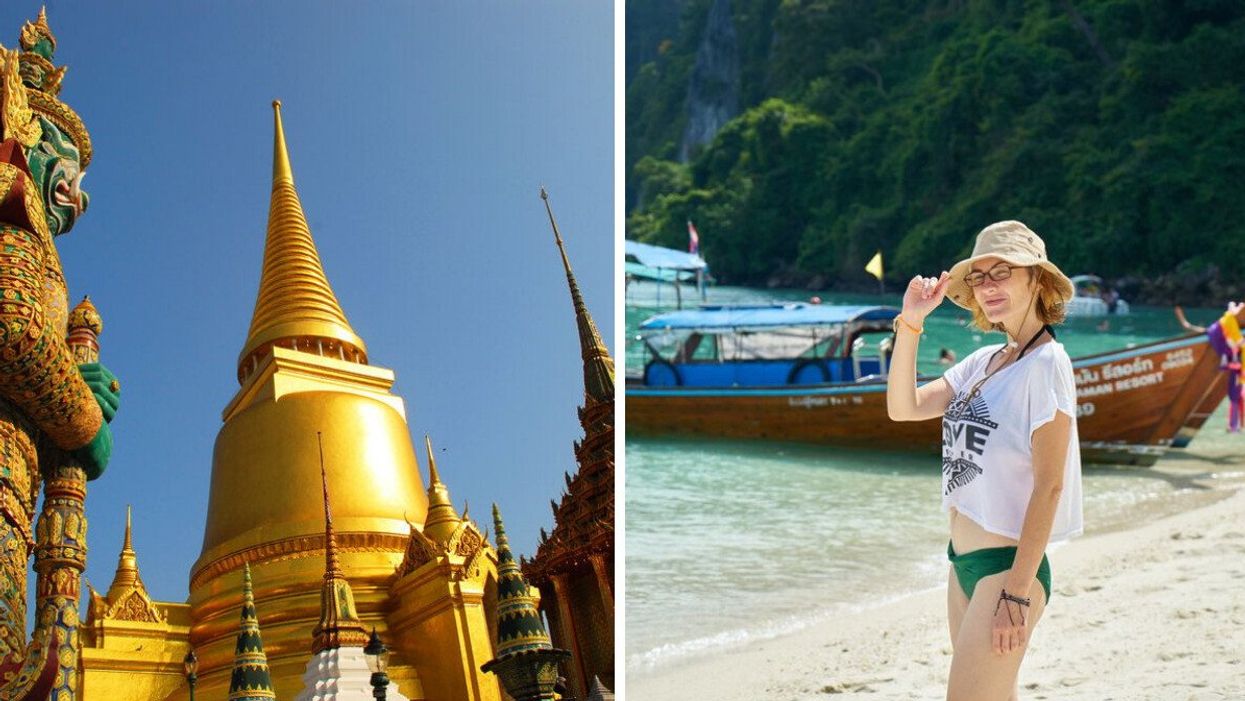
pixel 1011 466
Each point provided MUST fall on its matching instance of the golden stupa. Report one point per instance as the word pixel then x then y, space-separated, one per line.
pixel 430 591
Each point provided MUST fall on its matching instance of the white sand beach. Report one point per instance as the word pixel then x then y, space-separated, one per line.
pixel 1156 611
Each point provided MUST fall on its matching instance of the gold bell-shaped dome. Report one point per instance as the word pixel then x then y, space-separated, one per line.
pixel 303 370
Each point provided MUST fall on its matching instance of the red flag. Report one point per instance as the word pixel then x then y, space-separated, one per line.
pixel 693 238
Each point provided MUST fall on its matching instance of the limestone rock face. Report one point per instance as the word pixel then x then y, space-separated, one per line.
pixel 713 94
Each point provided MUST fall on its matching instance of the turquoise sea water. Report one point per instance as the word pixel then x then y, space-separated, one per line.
pixel 731 541
pixel 946 328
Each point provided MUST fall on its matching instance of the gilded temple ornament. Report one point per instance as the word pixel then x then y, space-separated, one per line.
pixel 19 119
pixel 37 36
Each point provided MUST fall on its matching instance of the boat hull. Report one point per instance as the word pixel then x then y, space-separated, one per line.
pixel 1130 405
pixel 1215 394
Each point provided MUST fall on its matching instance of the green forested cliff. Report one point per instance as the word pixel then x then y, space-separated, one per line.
pixel 1115 129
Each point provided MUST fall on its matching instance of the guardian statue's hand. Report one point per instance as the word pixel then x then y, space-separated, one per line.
pixel 107 390
pixel 104 385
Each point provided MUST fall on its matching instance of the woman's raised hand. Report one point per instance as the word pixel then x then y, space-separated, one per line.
pixel 923 296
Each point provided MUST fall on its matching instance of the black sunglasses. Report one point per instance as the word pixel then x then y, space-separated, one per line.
pixel 998 273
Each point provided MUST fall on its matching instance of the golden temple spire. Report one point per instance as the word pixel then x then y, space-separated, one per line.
pixel 127 598
pixel 331 567
pixel 295 306
pixel 339 624
pixel 442 519
pixel 127 564
pixel 598 365
pixel 433 476
pixel 281 170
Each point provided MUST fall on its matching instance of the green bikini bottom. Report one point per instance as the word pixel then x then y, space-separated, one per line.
pixel 972 566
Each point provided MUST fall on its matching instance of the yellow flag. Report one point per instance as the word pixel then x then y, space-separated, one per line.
pixel 874 267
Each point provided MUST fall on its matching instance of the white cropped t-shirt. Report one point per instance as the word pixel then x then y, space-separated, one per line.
pixel 987 449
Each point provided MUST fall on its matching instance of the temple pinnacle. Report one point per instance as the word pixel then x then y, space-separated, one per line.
pixel 281 170
pixel 442 519
pixel 295 306
pixel 598 365
pixel 433 477
pixel 127 564
pixel 331 569
pixel 339 624
pixel 519 626
pixel 250 680
pixel 526 662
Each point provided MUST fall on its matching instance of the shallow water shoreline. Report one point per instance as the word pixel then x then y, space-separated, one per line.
pixel 1149 606
pixel 763 589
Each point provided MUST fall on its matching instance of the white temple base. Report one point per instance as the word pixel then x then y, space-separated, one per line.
pixel 341 675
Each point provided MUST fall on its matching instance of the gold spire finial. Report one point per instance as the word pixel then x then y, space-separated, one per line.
pixel 339 624
pixel 127 597
pixel 295 306
pixel 281 170
pixel 433 477
pixel 598 365
pixel 442 519
pixel 126 576
pixel 128 544
pixel 331 569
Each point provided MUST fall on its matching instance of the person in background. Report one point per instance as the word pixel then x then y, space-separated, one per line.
pixel 1225 337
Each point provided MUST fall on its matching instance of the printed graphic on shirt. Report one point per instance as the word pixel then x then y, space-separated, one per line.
pixel 966 427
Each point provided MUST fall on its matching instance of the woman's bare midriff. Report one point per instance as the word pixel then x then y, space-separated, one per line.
pixel 967 536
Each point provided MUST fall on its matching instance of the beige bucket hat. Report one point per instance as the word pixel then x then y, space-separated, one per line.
pixel 1013 243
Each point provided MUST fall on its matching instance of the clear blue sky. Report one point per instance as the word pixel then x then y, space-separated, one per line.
pixel 419 135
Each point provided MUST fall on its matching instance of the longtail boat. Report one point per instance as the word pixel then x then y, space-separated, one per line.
pixel 1215 394
pixel 817 373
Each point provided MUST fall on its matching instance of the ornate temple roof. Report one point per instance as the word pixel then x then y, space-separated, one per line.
pixel 447 536
pixel 584 517
pixel 295 302
pixel 127 598
pixel 519 627
pixel 250 680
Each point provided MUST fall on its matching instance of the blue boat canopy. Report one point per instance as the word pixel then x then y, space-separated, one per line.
pixel 711 318
pixel 662 274
pixel 658 257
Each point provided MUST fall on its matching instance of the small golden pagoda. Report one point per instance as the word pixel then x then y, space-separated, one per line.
pixel 574 565
pixel 132 646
